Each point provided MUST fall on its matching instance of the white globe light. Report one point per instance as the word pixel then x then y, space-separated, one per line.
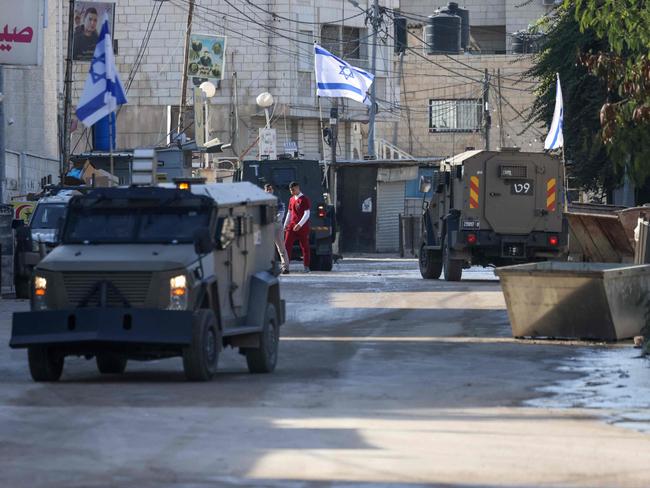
pixel 208 89
pixel 265 100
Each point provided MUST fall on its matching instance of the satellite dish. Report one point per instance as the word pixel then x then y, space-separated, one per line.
pixel 264 100
pixel 208 89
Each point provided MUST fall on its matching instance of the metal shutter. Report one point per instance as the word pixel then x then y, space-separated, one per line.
pixel 390 204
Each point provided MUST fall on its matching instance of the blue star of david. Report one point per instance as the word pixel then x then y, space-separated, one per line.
pixel 347 72
pixel 94 75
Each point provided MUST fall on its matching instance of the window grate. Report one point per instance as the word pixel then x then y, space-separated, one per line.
pixel 513 171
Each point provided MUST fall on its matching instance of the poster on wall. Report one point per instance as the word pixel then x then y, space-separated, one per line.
pixel 87 24
pixel 21 31
pixel 207 58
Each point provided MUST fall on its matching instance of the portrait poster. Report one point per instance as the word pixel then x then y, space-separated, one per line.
pixel 207 58
pixel 87 25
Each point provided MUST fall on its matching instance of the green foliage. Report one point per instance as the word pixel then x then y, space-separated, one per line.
pixel 623 64
pixel 583 97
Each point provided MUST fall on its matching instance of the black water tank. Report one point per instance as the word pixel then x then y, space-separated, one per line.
pixel 463 13
pixel 442 33
pixel 400 34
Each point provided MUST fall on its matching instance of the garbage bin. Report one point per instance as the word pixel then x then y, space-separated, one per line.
pixel 595 301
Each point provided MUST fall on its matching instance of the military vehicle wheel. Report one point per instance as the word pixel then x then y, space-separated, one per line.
pixel 264 358
pixel 325 262
pixel 44 363
pixel 22 288
pixel 109 363
pixel 200 359
pixel 430 267
pixel 453 268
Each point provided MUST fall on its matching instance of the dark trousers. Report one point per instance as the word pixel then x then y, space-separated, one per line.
pixel 302 236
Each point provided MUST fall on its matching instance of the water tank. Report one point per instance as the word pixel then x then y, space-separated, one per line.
pixel 463 13
pixel 442 33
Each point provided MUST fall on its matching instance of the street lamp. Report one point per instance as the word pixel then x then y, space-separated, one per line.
pixel 265 101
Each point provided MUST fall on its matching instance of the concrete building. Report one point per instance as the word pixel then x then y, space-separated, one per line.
pixel 269 48
pixel 442 109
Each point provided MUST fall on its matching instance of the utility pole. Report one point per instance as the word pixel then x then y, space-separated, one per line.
pixel 400 71
pixel 487 119
pixel 2 135
pixel 373 87
pixel 67 107
pixel 183 103
pixel 334 127
pixel 500 108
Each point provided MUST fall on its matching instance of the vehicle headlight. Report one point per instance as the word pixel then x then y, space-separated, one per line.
pixel 40 290
pixel 178 293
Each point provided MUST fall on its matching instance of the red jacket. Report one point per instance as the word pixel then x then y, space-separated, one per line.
pixel 297 207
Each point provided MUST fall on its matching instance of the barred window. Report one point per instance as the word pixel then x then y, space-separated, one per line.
pixel 462 115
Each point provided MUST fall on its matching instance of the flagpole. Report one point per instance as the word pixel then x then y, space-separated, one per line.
pixel 110 142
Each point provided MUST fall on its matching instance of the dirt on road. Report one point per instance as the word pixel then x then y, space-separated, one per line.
pixel 384 379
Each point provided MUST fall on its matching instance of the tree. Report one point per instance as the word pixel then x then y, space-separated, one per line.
pixel 583 95
pixel 623 64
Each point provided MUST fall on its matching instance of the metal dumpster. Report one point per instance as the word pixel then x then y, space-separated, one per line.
pixel 596 301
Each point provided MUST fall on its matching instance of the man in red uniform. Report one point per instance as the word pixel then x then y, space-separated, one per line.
pixel 296 223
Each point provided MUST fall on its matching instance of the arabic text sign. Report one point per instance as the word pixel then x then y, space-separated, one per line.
pixel 20 32
pixel 207 55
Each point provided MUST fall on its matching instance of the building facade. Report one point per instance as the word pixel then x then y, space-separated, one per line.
pixel 269 48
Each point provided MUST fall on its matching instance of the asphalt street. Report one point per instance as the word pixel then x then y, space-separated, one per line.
pixel 384 379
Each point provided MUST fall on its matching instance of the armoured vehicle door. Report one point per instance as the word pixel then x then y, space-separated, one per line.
pixel 512 194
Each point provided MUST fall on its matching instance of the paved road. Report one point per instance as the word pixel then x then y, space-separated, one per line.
pixel 384 380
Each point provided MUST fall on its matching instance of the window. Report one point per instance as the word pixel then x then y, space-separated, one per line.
pixel 455 115
pixel 354 42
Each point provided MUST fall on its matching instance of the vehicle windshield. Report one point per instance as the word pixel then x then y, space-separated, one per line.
pixel 145 225
pixel 47 216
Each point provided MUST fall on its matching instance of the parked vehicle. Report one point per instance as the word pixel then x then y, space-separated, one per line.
pixel 310 176
pixel 154 272
pixel 41 234
pixel 492 208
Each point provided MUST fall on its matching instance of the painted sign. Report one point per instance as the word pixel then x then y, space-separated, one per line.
pixel 207 58
pixel 21 31
pixel 23 210
pixel 87 23
pixel 268 144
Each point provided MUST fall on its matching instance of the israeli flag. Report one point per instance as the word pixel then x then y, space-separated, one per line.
pixel 555 138
pixel 103 91
pixel 337 78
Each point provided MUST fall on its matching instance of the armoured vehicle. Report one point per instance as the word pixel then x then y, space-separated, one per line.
pixel 40 236
pixel 492 208
pixel 154 272
pixel 310 176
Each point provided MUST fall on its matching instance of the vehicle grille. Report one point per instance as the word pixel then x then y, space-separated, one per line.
pixel 133 286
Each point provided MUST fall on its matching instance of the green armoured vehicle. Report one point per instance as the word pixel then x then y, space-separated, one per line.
pixel 492 208
pixel 154 272
pixel 310 176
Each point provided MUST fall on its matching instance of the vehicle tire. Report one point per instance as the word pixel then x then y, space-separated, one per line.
pixel 314 264
pixel 200 359
pixel 22 287
pixel 325 262
pixel 453 268
pixel 265 358
pixel 44 363
pixel 110 363
pixel 430 267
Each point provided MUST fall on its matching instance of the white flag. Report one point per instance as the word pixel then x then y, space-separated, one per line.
pixel 337 78
pixel 103 91
pixel 555 136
